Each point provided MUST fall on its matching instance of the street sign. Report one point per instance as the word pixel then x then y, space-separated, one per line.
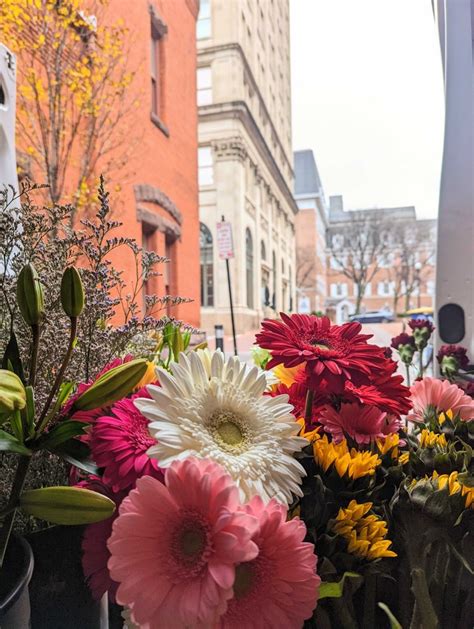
pixel 225 245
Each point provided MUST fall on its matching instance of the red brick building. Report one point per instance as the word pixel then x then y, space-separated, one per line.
pixel 160 200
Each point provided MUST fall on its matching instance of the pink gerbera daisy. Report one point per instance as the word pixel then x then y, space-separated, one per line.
pixel 279 588
pixel 174 547
pixel 119 442
pixel 430 396
pixel 362 423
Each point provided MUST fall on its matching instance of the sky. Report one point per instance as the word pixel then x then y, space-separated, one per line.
pixel 367 98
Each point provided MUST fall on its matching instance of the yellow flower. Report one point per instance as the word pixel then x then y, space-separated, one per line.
pixel 149 376
pixel 311 435
pixel 454 486
pixel 351 462
pixel 286 375
pixel 365 534
pixel 429 439
pixel 390 442
pixel 443 416
pixel 404 458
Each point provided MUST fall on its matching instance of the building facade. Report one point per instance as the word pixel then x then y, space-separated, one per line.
pixel 154 191
pixel 311 226
pixel 378 259
pixel 245 159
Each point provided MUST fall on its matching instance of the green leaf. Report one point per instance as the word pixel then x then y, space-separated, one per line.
pixel 77 453
pixel 335 589
pixel 66 505
pixel 62 432
pixel 11 358
pixel 394 624
pixel 9 443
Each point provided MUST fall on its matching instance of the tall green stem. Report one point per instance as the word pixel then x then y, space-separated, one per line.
pixel 407 367
pixel 35 330
pixel 420 362
pixel 17 487
pixel 424 605
pixel 60 375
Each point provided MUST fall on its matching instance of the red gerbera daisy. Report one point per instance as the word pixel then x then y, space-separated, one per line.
pixel 332 353
pixel 119 442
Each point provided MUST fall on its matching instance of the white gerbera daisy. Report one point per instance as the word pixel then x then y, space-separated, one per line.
pixel 217 410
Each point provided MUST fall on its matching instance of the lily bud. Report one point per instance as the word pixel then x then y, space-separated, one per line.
pixel 112 385
pixel 12 392
pixel 72 292
pixel 29 295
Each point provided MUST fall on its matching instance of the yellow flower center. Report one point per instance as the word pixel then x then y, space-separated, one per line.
pixel 229 430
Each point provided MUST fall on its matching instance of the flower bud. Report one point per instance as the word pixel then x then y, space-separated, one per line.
pixel 112 385
pixel 72 292
pixel 29 295
pixel 12 392
pixel 449 366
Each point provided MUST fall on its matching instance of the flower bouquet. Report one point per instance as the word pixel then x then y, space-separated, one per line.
pixel 313 489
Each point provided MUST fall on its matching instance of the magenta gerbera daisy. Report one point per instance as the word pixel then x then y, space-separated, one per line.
pixel 362 423
pixel 331 353
pixel 174 546
pixel 119 442
pixel 95 553
pixel 279 588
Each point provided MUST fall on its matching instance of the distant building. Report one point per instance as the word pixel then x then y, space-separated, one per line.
pixel 311 225
pixel 385 253
pixel 245 159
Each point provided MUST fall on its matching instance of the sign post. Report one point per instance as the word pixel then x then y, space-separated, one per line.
pixel 225 247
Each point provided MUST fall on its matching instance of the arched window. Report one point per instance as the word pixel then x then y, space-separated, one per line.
pixel 283 267
pixel 207 267
pixel 263 251
pixel 249 266
pixel 291 289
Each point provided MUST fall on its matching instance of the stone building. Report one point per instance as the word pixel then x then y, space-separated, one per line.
pixel 245 159
pixel 311 225
pixel 385 255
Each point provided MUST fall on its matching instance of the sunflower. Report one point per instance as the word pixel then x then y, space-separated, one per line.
pixel 365 534
pixel 217 410
pixel 331 353
pixel 350 463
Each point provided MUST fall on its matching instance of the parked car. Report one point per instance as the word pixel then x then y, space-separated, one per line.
pixel 373 316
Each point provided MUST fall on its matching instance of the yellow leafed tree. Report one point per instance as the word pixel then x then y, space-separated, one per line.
pixel 74 94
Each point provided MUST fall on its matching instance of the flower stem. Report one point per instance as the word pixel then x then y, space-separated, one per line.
pixel 308 411
pixel 17 487
pixel 407 367
pixel 424 605
pixel 57 383
pixel 420 362
pixel 35 330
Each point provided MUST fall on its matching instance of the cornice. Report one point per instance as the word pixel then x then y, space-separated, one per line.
pixel 212 50
pixel 240 111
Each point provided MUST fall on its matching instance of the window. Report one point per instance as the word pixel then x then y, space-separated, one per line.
pixel 205 166
pixel 204 86
pixel 158 31
pixel 283 267
pixel 385 288
pixel 430 287
pixel 207 267
pixel 339 290
pixel 337 241
pixel 249 266
pixel 203 28
pixel 263 251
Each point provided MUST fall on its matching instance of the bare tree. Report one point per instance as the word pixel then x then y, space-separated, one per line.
pixel 305 270
pixel 413 253
pixel 74 92
pixel 356 247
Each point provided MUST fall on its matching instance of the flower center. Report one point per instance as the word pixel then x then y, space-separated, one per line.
pixel 229 431
pixel 191 546
pixel 192 542
pixel 244 579
pixel 319 345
